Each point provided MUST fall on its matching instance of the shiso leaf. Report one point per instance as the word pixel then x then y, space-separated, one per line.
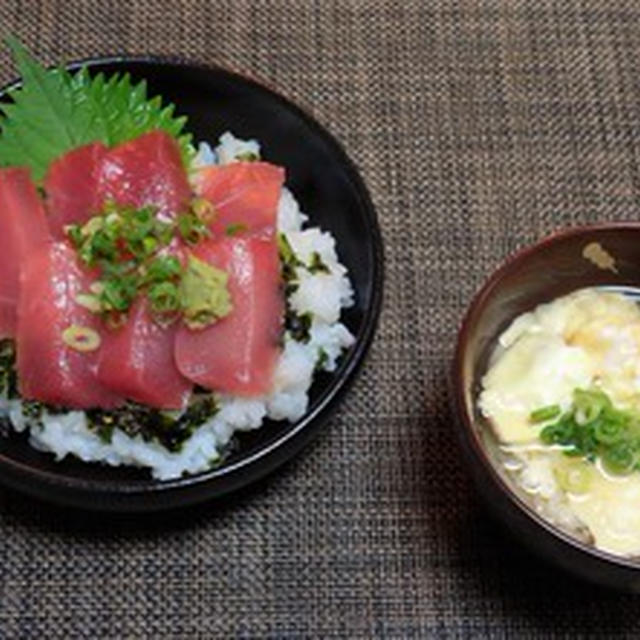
pixel 54 111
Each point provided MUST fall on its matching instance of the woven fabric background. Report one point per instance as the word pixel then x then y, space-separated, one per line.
pixel 478 126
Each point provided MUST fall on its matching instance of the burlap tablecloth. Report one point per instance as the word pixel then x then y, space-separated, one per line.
pixel 478 127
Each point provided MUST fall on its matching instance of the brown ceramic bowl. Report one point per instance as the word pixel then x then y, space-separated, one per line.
pixel 553 267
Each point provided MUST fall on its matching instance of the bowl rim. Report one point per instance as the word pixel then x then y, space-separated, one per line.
pixel 325 403
pixel 473 312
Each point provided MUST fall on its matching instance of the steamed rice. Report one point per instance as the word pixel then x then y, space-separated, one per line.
pixel 323 295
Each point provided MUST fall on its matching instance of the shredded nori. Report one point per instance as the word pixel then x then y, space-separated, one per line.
pixel 168 428
pixel 298 325
pixel 323 358
pixel 317 265
pixel 153 424
pixel 33 410
pixel 8 374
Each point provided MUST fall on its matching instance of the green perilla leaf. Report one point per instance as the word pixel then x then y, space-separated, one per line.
pixel 54 111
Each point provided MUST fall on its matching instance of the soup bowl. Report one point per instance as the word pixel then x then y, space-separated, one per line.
pixel 602 255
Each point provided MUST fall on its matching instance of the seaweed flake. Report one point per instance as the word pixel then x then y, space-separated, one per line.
pixel 317 265
pixel 170 430
pixel 298 325
pixel 8 374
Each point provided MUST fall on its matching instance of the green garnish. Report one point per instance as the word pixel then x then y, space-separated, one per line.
pixel 54 111
pixel 593 428
pixel 163 268
pixel 235 228
pixel 589 404
pixel 545 413
pixel 191 228
pixel 128 248
pixel 203 209
pixel 573 476
pixel 81 338
pixel 621 458
pixel 164 298
pixel 204 297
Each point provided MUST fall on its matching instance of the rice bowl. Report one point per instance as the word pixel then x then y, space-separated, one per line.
pixel 323 295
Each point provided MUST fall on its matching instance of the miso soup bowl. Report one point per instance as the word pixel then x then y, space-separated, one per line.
pixel 555 266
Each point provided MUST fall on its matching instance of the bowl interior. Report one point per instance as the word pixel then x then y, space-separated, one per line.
pixel 554 267
pixel 329 190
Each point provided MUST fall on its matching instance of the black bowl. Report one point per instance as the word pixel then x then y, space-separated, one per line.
pixel 553 267
pixel 330 190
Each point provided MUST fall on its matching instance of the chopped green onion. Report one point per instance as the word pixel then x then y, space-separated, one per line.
pixel 235 228
pixel 203 210
pixel 118 294
pixel 163 268
pixel 164 297
pixel 191 228
pixel 126 245
pixel 589 404
pixel 620 458
pixel 94 225
pixel 557 433
pixel 74 233
pixel 149 245
pixel 163 232
pixel 89 301
pixel 81 338
pixel 545 413
pixel 593 428
pixel 574 477
pixel 608 432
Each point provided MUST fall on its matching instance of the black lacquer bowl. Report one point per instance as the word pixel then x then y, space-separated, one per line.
pixel 330 190
pixel 551 268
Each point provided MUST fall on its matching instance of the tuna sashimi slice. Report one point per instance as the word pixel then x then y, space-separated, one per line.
pixel 49 369
pixel 137 362
pixel 146 171
pixel 243 193
pixel 23 228
pixel 71 185
pixel 238 353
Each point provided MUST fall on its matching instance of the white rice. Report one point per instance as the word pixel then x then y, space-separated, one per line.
pixel 323 295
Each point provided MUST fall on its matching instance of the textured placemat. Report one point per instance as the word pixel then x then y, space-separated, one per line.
pixel 478 126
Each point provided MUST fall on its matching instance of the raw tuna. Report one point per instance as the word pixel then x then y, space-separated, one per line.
pixel 238 353
pixel 49 369
pixel 23 228
pixel 137 362
pixel 71 185
pixel 243 193
pixel 146 171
